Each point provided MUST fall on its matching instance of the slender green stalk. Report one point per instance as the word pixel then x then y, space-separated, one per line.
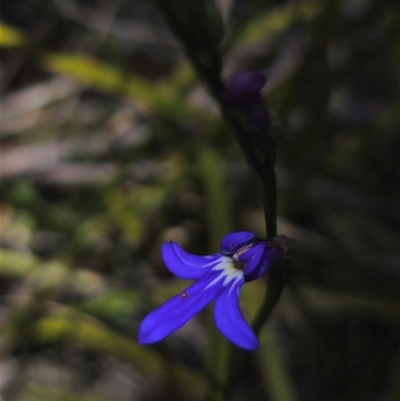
pixel 277 376
pixel 266 172
pixel 210 171
pixel 269 193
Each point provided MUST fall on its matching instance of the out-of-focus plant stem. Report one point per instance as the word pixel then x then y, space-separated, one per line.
pixel 210 172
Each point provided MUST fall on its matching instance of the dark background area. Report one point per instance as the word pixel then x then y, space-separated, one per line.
pixel 112 146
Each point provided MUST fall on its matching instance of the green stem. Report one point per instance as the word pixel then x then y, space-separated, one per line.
pixel 269 194
pixel 210 171
pixel 275 284
pixel 217 357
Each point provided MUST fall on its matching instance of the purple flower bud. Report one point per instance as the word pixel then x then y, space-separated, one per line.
pixel 243 88
pixel 242 92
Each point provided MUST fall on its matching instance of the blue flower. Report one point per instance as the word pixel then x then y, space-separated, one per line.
pixel 242 258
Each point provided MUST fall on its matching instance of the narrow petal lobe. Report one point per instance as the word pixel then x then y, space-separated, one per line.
pixel 258 260
pixel 185 265
pixel 229 318
pixel 174 313
pixel 232 242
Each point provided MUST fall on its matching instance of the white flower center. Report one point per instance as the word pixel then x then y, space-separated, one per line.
pixel 228 271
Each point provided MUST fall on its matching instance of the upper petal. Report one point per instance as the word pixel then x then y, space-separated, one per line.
pixel 184 264
pixel 232 242
pixel 258 259
pixel 229 318
pixel 174 313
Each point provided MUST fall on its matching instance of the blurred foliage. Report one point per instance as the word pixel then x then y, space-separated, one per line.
pixel 111 146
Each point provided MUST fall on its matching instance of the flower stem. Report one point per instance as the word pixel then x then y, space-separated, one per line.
pixel 269 193
pixel 275 282
pixel 266 172
pixel 263 167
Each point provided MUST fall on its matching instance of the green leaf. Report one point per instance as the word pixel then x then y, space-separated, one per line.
pixel 10 36
pixel 38 392
pixel 67 324
pixel 101 75
pixel 335 302
pixel 47 274
pixel 16 264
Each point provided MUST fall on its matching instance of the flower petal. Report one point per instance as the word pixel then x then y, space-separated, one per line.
pixel 174 313
pixel 229 318
pixel 232 242
pixel 258 259
pixel 184 264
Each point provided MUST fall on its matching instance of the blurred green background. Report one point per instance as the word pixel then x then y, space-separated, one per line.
pixel 111 146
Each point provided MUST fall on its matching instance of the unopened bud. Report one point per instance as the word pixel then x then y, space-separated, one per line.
pixel 242 92
pixel 243 89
